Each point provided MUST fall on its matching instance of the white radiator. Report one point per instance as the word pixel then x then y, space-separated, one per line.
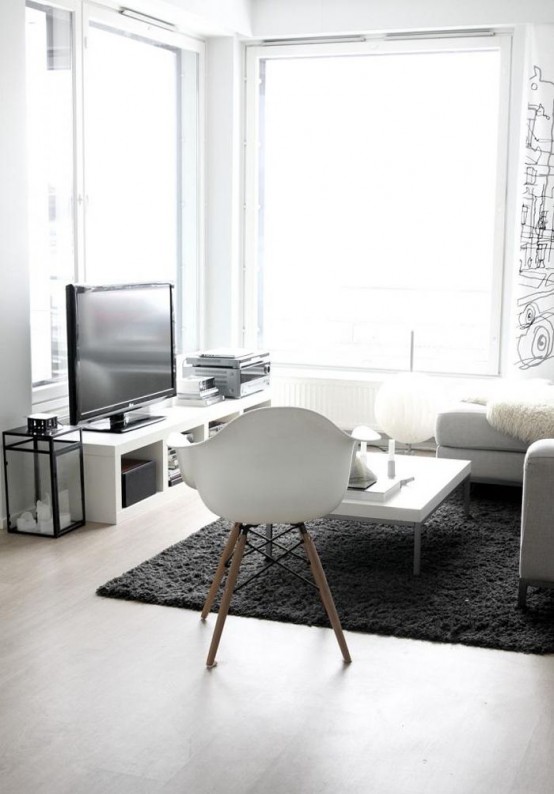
pixel 346 402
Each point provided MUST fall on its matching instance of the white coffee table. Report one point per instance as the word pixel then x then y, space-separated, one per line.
pixel 434 480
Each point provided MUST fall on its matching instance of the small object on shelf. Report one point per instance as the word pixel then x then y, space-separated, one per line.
pixel 215 427
pixel 237 372
pixel 138 480
pixel 199 401
pixel 44 480
pixel 41 423
pixel 173 470
pixel 381 490
pixel 361 475
pixel 195 384
pixel 202 395
pixel 222 355
pixel 391 467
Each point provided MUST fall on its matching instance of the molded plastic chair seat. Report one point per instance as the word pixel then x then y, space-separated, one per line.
pixel 278 465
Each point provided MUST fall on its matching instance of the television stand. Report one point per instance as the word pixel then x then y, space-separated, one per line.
pixel 106 454
pixel 121 423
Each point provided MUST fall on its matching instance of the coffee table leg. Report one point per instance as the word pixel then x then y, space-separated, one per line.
pixel 417 549
pixel 467 492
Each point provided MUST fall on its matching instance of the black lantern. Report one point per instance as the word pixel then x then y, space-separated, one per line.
pixel 44 480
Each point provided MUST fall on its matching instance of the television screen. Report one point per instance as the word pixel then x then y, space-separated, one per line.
pixel 121 352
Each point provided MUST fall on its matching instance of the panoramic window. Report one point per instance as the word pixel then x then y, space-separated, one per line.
pixel 376 172
pixel 113 168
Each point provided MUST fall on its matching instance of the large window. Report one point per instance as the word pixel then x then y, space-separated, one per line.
pixel 132 132
pixel 51 181
pixel 375 200
pixel 113 166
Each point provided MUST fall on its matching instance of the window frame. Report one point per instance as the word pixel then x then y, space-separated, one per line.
pixel 191 134
pixel 421 42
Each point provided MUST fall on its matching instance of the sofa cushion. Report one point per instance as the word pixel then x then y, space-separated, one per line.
pixel 465 425
pixel 489 465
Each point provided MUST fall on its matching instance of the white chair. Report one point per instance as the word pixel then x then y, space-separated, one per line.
pixel 277 465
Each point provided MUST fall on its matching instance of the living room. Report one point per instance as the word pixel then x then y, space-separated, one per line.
pixel 101 695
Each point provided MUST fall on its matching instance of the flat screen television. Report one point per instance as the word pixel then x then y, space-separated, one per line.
pixel 121 353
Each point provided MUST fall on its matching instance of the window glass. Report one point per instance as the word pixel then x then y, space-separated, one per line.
pixel 113 163
pixel 377 229
pixel 50 115
pixel 131 159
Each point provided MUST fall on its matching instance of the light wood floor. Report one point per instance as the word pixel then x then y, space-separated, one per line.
pixel 98 695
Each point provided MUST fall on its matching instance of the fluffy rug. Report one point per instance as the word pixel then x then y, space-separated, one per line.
pixel 466 593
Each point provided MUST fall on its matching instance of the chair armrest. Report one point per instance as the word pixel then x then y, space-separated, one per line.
pixel 537 511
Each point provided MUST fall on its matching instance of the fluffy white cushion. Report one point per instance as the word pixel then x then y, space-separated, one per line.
pixel 527 416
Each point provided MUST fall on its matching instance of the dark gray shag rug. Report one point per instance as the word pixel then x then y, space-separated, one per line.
pixel 466 593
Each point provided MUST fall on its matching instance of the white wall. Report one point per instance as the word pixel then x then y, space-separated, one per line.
pixel 277 18
pixel 15 391
pixel 214 17
pixel 220 317
pixel 195 17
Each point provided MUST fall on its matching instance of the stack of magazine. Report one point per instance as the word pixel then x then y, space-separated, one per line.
pixel 198 390
pixel 173 470
pixel 379 491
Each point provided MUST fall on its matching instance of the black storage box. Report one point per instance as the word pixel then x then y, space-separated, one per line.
pixel 138 480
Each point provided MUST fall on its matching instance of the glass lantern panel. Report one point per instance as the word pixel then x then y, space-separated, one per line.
pixel 70 501
pixel 30 488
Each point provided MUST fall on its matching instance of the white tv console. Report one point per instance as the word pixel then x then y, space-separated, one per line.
pixel 103 452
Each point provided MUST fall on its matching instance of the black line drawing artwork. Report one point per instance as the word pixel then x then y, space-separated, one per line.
pixel 535 288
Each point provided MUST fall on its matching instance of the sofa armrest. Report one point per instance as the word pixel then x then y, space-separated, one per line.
pixel 536 563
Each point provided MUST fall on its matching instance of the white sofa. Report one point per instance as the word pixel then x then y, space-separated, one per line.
pixel 463 432
pixel 536 561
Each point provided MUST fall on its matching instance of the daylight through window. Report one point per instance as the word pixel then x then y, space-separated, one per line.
pixel 376 181
pixel 113 141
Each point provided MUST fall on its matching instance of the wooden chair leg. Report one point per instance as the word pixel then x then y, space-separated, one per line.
pixel 325 592
pixel 226 598
pixel 220 570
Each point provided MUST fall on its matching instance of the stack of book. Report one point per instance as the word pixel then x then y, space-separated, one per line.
pixel 381 490
pixel 173 470
pixel 198 390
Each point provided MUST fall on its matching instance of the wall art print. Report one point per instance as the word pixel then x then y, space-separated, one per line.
pixel 535 287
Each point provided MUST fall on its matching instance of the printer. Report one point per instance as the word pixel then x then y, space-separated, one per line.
pixel 237 372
